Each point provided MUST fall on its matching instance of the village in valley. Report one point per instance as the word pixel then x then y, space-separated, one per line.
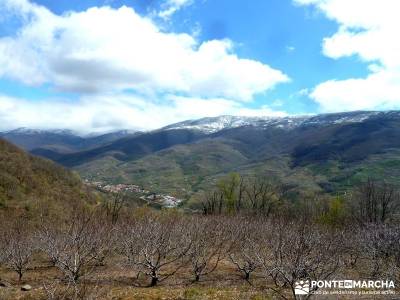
pixel 146 195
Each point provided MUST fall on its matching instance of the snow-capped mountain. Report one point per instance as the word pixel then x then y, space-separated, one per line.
pixel 215 124
pixel 31 131
pixel 64 139
pixel 65 132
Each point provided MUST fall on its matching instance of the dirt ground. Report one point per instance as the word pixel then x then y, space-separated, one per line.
pixel 117 282
pixel 114 281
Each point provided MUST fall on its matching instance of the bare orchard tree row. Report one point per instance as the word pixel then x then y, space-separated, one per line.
pixel 160 245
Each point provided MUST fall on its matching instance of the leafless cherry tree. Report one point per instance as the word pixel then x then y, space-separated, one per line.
pixel 209 243
pixel 155 246
pixel 289 252
pixel 18 246
pixel 379 248
pixel 245 233
pixel 77 246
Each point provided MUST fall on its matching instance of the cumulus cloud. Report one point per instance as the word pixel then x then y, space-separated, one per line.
pixel 368 29
pixel 126 71
pixel 103 113
pixel 106 50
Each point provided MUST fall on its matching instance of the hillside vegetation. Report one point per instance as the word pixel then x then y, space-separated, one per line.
pixel 327 158
pixel 27 181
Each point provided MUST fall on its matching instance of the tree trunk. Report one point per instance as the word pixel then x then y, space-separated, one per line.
pixel 154 278
pixel 247 276
pixel 76 277
pixel 154 281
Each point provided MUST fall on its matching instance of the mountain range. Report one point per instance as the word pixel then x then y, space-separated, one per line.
pixel 323 153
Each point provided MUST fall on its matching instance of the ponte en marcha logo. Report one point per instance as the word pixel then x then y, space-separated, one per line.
pixel 357 287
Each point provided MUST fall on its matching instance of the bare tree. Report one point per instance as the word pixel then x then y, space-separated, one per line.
pixel 374 202
pixel 48 240
pixel 242 254
pixel 155 246
pixel 208 245
pixel 289 252
pixel 76 247
pixel 113 206
pixel 212 203
pixel 262 196
pixel 18 247
pixel 379 248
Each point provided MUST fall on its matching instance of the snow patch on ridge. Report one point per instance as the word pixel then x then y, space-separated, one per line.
pixel 215 124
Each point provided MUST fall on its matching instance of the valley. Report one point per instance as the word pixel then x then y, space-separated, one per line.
pixel 310 154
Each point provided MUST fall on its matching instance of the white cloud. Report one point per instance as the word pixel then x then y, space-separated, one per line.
pixel 369 30
pixel 115 111
pixel 108 50
pixel 106 56
pixel 172 6
pixel 380 90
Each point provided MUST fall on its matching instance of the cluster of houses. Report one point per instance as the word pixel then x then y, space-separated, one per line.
pixel 164 200
pixel 116 188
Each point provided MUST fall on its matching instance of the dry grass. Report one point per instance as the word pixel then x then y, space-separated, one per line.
pixel 115 282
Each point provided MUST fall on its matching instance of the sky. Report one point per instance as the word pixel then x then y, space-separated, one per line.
pixel 104 65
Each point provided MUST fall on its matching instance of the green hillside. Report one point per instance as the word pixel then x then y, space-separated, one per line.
pixel 176 170
pixel 315 158
pixel 27 181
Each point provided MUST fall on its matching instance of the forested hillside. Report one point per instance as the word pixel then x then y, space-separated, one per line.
pixel 325 154
pixel 27 181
